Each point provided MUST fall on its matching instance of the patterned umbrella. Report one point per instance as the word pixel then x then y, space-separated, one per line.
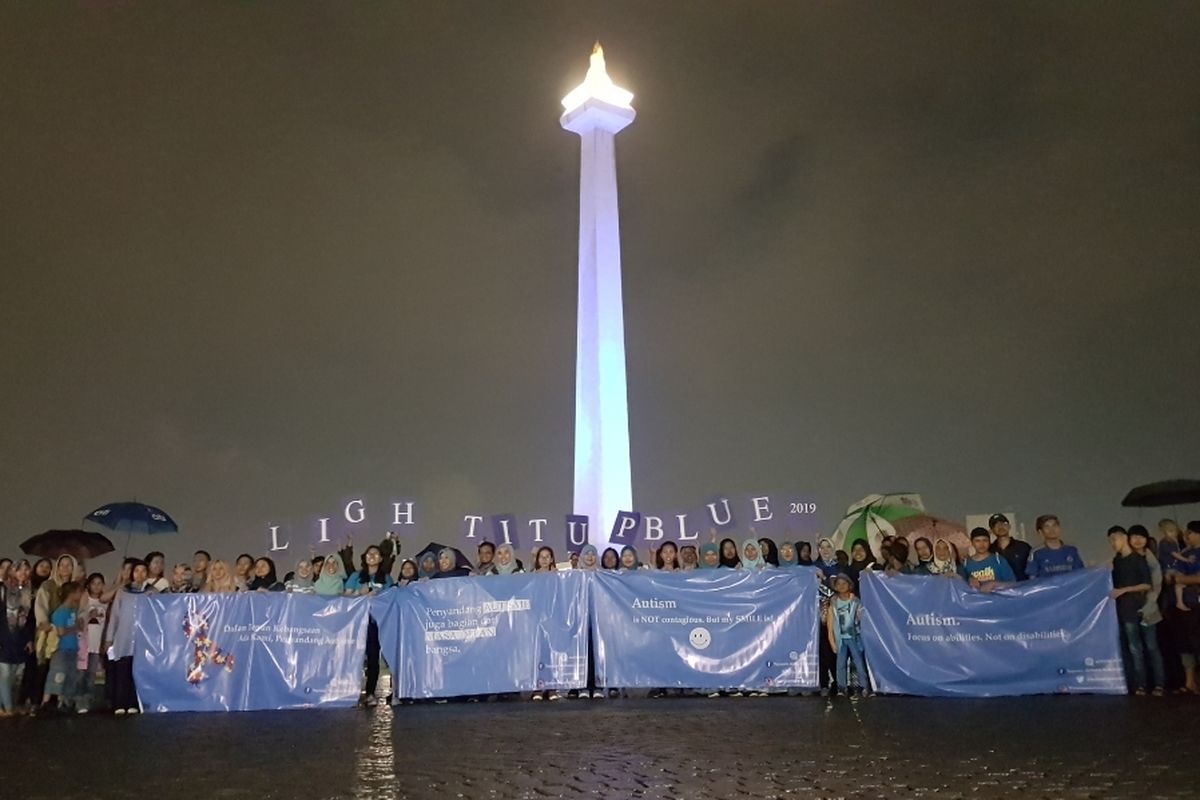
pixel 871 518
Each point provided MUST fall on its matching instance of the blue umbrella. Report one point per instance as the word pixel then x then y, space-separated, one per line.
pixel 133 518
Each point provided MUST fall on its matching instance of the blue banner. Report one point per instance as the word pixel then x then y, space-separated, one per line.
pixel 706 629
pixel 248 651
pixel 938 637
pixel 485 635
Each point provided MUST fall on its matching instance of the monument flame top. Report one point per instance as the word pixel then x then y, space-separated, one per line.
pixel 597 85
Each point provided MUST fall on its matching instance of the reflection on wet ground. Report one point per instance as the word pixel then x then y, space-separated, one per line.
pixel 1058 747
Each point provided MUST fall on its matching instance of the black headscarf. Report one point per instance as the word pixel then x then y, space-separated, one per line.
pixel 732 563
pixel 770 552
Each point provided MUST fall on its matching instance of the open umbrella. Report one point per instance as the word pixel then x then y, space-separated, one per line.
pixel 133 518
pixel 1178 492
pixel 871 518
pixel 934 528
pixel 80 544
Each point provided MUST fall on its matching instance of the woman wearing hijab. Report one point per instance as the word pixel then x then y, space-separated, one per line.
pixel 448 566
pixel 666 558
pixel 332 580
pixel 588 559
pixel 506 562
pixel 220 580
pixel 769 552
pixel 41 573
pixel 710 556
pixel 629 559
pixel 861 558
pixel 264 579
pixel 729 554
pixel 752 555
pixel 427 565
pixel 611 560
pixel 945 559
pixel 302 580
pixel 46 601
pixel 804 554
pixel 787 555
pixel 924 551
pixel 408 572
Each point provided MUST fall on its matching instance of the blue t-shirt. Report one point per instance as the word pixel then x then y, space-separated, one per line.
pixel 992 568
pixel 355 582
pixel 64 617
pixel 1191 594
pixel 1046 561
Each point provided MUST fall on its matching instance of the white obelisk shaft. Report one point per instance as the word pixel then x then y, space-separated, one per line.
pixel 596 111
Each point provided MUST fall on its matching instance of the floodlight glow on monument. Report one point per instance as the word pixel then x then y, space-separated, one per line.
pixel 597 110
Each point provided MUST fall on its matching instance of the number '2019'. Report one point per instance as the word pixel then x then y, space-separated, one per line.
pixel 802 508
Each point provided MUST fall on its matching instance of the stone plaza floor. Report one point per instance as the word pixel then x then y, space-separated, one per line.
pixel 774 747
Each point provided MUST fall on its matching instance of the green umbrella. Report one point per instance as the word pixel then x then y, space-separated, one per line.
pixel 871 518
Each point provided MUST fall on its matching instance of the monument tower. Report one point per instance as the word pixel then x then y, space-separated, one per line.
pixel 597 110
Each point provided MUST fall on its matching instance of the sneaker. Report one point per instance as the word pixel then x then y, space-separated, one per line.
pixel 553 696
pixel 134 711
pixel 597 695
pixel 81 711
pixel 371 701
pixel 714 694
pixel 119 712
pixel 536 696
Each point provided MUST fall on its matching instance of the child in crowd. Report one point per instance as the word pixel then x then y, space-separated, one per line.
pixel 845 634
pixel 1053 557
pixel 983 569
pixel 63 681
pixel 93 612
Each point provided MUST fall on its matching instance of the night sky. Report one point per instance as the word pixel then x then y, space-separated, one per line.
pixel 260 258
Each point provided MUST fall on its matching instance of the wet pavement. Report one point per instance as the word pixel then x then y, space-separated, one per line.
pixel 776 747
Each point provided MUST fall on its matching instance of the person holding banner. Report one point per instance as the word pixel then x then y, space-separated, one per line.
pixel 752 555
pixel 1054 557
pixel 408 572
pixel 629 559
pixel 666 558
pixel 845 635
pixel 729 554
pixel 983 569
pixel 119 643
pixel 507 562
pixel 689 559
pixel 331 582
pixel 487 554
pixel 710 556
pixel 372 578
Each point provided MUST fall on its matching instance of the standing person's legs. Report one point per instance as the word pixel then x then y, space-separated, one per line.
pixel 1191 648
pixel 843 653
pixel 31 690
pixel 372 660
pixel 1158 672
pixel 124 693
pixel 826 660
pixel 9 680
pixel 1131 653
pixel 860 664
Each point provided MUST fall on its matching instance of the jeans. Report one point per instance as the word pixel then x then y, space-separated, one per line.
pixel 10 681
pixel 63 680
pixel 1139 642
pixel 851 648
pixel 88 697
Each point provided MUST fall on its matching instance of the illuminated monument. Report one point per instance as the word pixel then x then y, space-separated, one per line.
pixel 597 110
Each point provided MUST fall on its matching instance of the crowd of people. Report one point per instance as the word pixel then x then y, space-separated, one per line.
pixel 66 635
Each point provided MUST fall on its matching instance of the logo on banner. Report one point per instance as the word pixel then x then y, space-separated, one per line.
pixel 204 649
